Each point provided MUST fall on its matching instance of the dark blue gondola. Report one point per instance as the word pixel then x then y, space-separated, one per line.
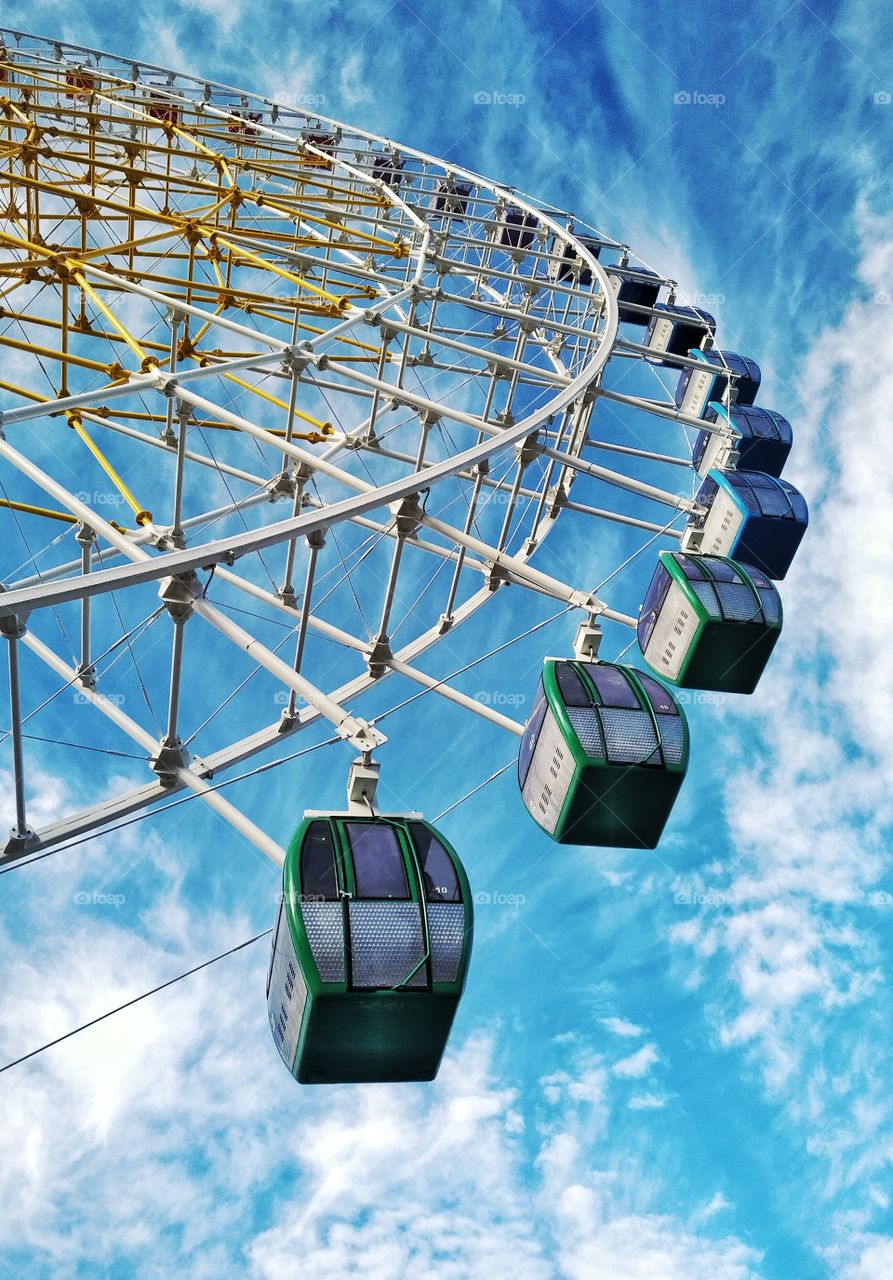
pixel 676 329
pixel 636 285
pixel 750 516
pixel 697 387
pixel 569 266
pixel 517 228
pixel 766 437
pixel 451 198
pixel 387 169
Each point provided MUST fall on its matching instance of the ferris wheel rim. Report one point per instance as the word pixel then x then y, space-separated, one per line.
pixel 604 335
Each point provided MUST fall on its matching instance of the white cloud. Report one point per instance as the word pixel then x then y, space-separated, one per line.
pixel 637 1064
pixel 620 1027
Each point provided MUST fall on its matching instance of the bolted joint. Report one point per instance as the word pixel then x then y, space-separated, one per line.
pixel 282 485
pixel 379 656
pixel 408 515
pixel 296 358
pixel 316 539
pixel 178 594
pixel 168 760
pixel 526 451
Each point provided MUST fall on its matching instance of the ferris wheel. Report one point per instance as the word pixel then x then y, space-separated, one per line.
pixel 284 401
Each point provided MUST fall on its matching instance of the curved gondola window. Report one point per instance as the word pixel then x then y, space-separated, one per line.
pixel 438 872
pixel 318 880
pixel 573 691
pixel 377 860
pixel 613 687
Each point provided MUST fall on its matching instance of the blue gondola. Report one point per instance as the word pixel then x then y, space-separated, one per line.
pixel 517 228
pixel 750 516
pixel 765 442
pixel 697 387
pixel 636 285
pixel 451 198
pixel 569 266
pixel 677 329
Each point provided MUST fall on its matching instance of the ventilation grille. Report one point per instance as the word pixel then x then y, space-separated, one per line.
pixel 386 944
pixel 325 933
pixel 446 930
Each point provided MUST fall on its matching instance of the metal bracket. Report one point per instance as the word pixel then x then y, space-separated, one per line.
pixel 178 594
pixel 587 641
pixel 362 785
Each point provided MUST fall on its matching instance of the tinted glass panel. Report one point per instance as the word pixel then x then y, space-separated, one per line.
pixel 438 873
pixel 691 567
pixel 377 860
pixel 723 570
pixel 531 734
pixel 660 699
pixel 573 691
pixel 318 863
pixel 613 687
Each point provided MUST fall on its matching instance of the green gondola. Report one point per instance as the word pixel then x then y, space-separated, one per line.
pixel 708 622
pixel 370 950
pixel 603 755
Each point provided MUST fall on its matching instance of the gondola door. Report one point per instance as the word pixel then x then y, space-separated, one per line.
pixel 386 929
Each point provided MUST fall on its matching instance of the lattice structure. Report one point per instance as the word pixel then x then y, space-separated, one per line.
pixel 304 369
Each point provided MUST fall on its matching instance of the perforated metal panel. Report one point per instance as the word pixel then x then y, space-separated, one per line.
pixel 446 930
pixel 704 592
pixel 325 932
pixel 737 602
pixel 629 735
pixel 672 738
pixel 588 730
pixel 386 943
pixel 771 605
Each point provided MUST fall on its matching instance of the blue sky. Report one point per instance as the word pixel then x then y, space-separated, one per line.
pixel 665 1066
